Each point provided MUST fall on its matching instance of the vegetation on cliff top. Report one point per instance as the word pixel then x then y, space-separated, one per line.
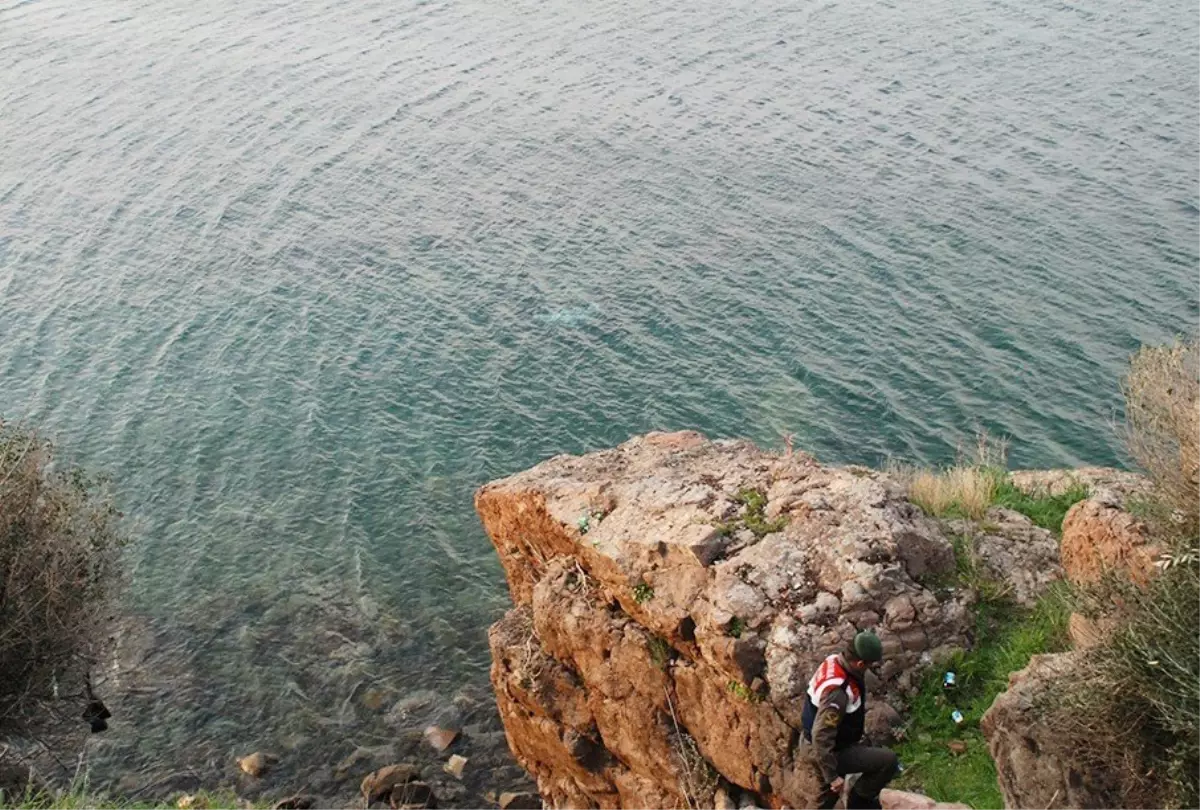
pixel 59 548
pixel 1143 685
pixel 980 481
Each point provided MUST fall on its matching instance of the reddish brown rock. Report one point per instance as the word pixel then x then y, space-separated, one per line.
pixel 1035 764
pixel 1099 535
pixel 673 597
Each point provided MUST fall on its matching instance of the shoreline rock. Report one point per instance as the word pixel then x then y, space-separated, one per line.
pixel 673 595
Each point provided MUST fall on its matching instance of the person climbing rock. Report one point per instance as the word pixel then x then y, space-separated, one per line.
pixel 834 710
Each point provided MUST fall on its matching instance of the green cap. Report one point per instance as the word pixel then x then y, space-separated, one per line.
pixel 868 647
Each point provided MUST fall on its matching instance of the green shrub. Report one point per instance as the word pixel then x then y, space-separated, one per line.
pixel 743 692
pixel 59 550
pixel 754 517
pixel 1143 685
pixel 660 651
pixel 1135 710
pixel 642 593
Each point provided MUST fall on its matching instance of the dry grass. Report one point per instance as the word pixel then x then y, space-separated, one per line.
pixel 966 489
pixel 1162 416
pixel 59 548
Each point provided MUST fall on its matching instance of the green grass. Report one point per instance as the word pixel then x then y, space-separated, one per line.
pixel 753 517
pixel 1006 639
pixel 743 692
pixel 642 593
pixel 79 797
pixel 660 651
pixel 1046 511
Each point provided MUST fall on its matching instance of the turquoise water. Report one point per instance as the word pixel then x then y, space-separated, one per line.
pixel 301 276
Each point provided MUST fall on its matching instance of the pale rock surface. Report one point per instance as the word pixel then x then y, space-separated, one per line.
pixel 658 641
pixel 1014 551
pixel 1055 482
pixel 903 800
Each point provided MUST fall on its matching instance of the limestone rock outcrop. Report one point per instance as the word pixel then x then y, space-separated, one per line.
pixel 673 595
pixel 1037 766
pixel 1014 551
pixel 1099 535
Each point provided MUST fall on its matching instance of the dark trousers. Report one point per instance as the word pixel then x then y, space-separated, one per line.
pixel 877 766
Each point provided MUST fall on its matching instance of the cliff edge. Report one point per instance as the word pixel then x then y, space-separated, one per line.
pixel 673 595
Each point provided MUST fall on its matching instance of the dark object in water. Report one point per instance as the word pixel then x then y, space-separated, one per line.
pixel 95 712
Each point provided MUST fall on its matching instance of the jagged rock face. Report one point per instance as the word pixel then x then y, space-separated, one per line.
pixel 1014 551
pixel 1099 535
pixel 1037 766
pixel 673 597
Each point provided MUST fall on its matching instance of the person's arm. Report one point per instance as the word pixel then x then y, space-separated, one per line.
pixel 825 729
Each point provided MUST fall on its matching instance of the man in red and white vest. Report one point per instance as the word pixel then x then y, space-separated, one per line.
pixel 834 713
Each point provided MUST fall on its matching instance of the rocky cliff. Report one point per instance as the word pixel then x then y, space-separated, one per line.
pixel 672 596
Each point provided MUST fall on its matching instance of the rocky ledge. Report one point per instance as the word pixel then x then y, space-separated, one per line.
pixel 673 595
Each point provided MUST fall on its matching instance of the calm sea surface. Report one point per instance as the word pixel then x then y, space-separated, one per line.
pixel 300 276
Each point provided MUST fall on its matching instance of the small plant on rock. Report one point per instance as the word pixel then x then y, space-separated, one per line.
pixel 737 626
pixel 642 593
pixel 660 651
pixel 743 692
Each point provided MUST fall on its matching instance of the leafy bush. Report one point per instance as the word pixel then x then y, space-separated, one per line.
pixel 1135 711
pixel 59 548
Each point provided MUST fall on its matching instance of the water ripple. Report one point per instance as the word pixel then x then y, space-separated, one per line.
pixel 302 275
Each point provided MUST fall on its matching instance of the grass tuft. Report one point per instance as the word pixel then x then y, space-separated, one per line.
pixel 80 797
pixel 660 651
pixel 743 692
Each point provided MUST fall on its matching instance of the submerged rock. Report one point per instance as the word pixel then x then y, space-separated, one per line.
pixel 256 764
pixel 378 785
pixel 441 737
pixel 520 801
pixel 455 765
